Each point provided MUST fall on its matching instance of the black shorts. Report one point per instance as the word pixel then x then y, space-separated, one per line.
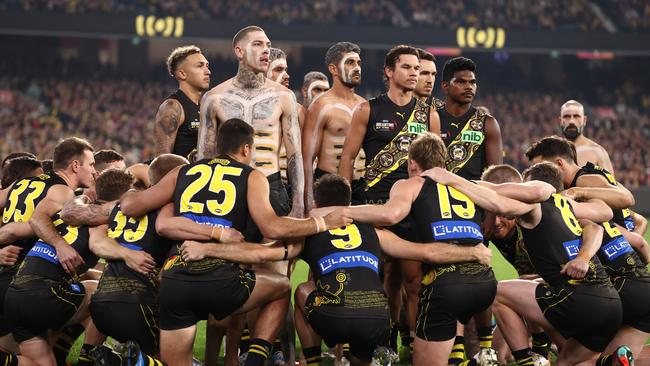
pixel 442 305
pixel 363 334
pixel 34 311
pixel 185 303
pixel 128 321
pixel 280 202
pixel 635 297
pixel 319 173
pixel 591 314
pixel 4 321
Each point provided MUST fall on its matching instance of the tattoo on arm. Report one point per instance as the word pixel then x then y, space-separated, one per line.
pixel 167 121
pixel 76 213
pixel 295 174
pixel 207 141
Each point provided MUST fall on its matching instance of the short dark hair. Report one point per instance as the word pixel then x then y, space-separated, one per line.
pixel 502 173
pixel 106 156
pixel 335 53
pixel 455 65
pixel 69 149
pixel 17 155
pixel 179 55
pixel 17 169
pixel 312 76
pixel 332 190
pixel 428 150
pixel 394 53
pixel 552 147
pixel 426 55
pixel 242 33
pixel 232 135
pixel 276 53
pixel 546 172
pixel 47 165
pixel 112 183
pixel 163 164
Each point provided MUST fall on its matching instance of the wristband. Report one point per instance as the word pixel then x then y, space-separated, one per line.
pixel 317 224
pixel 322 219
pixel 220 233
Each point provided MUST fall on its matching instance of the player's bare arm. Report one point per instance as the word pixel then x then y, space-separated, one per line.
pixel 108 248
pixel 436 253
pixel 618 195
pixel 282 227
pixel 169 117
pixel 247 253
pixel 207 141
pixel 434 121
pixel 592 237
pixel 80 211
pixel 181 228
pixel 312 137
pixel 41 222
pixel 594 210
pixel 640 223
pixel 353 140
pixel 529 192
pixel 138 203
pixel 398 206
pixel 292 144
pixel 13 231
pixel 493 143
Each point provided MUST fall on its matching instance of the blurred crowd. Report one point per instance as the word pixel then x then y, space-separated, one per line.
pixel 575 15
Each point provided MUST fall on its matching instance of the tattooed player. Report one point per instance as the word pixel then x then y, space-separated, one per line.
pixel 177 120
pixel 267 106
pixel 328 118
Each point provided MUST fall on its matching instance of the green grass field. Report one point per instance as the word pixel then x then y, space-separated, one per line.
pixel 502 269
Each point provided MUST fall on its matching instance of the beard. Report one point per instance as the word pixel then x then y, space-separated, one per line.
pixel 571 132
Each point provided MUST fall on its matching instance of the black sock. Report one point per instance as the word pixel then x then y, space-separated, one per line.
pixel 7 359
pixel 405 335
pixel 393 336
pixel 523 357
pixel 457 354
pixel 85 356
pixel 64 343
pixel 604 360
pixel 312 356
pixel 541 344
pixel 245 340
pixel 470 362
pixel 258 351
pixel 485 337
pixel 277 346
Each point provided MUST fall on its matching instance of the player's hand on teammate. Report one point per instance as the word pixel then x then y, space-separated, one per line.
pixel 338 218
pixel 440 175
pixel 482 254
pixel 572 193
pixel 140 261
pixel 297 212
pixel 192 251
pixel 230 235
pixel 69 258
pixel 576 268
pixel 9 255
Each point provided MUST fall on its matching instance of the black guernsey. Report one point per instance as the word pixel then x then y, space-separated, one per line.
pixel 345 264
pixel 618 256
pixel 391 129
pixel 210 192
pixel 119 282
pixel 22 199
pixel 41 266
pixel 621 216
pixel 555 241
pixel 188 132
pixel 462 135
pixel 443 214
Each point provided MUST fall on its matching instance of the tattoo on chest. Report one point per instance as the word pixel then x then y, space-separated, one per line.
pixel 250 108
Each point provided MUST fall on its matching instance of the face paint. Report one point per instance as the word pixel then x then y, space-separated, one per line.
pixel 347 78
pixel 323 84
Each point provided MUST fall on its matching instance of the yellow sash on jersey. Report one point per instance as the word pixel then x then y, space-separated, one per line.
pixel 463 147
pixel 395 153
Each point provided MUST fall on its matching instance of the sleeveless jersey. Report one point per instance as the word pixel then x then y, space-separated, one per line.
pixel 345 264
pixel 211 192
pixel 22 199
pixel 389 134
pixel 41 264
pixel 444 214
pixel 555 241
pixel 188 132
pixel 464 137
pixel 514 251
pixel 618 256
pixel 621 216
pixel 119 282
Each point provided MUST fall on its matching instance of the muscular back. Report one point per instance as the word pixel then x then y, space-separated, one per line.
pixel 589 151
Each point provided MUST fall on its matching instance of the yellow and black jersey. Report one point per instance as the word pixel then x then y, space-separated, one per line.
pixel 345 264
pixel 121 283
pixel 622 217
pixel 464 137
pixel 42 263
pixel 22 199
pixel 618 256
pixel 210 192
pixel 555 241
pixel 443 214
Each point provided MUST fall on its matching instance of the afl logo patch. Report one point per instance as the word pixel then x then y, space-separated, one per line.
pixel 457 152
pixel 476 124
pixel 420 116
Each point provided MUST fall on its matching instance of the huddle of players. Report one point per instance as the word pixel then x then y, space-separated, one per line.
pixel 176 223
